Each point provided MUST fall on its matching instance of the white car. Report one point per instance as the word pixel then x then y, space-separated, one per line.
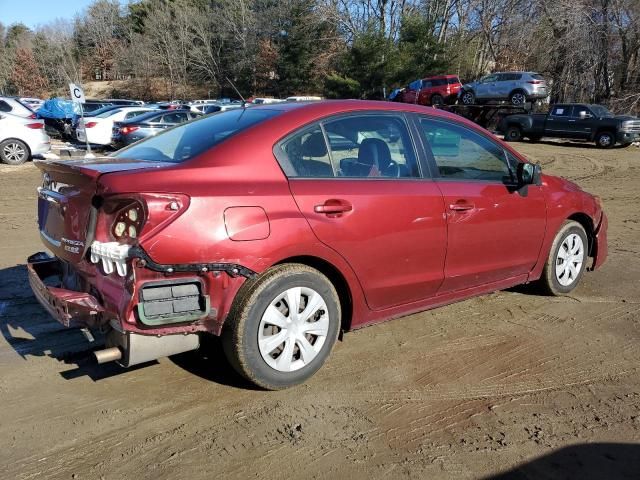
pixel 97 130
pixel 15 107
pixel 21 138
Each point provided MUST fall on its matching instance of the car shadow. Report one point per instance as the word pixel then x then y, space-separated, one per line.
pixel 32 332
pixel 592 461
pixel 210 363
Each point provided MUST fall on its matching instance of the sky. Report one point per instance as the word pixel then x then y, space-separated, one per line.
pixel 37 12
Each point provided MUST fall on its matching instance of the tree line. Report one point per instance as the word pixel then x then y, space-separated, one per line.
pixel 168 49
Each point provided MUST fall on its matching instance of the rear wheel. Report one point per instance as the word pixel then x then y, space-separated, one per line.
pixel 437 100
pixel 518 98
pixel 567 260
pixel 513 134
pixel 283 327
pixel 605 140
pixel 14 152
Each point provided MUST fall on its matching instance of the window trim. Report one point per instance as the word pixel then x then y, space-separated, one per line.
pixel 433 165
pixel 283 159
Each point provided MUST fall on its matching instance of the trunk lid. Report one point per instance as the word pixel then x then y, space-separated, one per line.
pixel 66 217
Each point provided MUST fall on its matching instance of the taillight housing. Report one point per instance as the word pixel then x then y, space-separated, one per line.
pixel 128 130
pixel 132 218
pixel 35 126
pixel 90 124
pixel 535 82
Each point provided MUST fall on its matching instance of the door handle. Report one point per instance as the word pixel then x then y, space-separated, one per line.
pixel 461 207
pixel 333 207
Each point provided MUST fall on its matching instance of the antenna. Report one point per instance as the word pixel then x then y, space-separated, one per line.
pixel 244 102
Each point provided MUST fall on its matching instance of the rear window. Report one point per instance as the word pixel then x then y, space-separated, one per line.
pixel 4 106
pixel 536 76
pixel 185 141
pixel 453 80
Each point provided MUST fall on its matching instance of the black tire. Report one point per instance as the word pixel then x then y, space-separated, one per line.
pixel 14 152
pixel 437 99
pixel 513 134
pixel 468 97
pixel 605 140
pixel 518 97
pixel 549 282
pixel 241 332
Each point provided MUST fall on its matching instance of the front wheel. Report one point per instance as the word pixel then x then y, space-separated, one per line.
pixel 468 97
pixel 14 152
pixel 605 140
pixel 283 327
pixel 567 260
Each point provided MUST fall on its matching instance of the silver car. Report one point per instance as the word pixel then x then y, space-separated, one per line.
pixel 515 87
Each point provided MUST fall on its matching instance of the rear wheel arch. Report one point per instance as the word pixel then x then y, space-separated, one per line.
pixel 336 277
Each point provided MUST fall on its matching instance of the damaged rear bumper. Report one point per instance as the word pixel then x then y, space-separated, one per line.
pixel 71 308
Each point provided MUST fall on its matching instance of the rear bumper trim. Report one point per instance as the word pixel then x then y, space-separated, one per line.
pixel 232 269
pixel 70 308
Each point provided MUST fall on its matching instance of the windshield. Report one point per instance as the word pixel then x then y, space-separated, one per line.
pixel 600 111
pixel 190 139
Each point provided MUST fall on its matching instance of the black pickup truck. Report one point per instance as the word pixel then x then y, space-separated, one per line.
pixel 575 121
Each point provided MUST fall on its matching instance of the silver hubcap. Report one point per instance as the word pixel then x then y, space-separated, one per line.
pixel 569 260
pixel 518 99
pixel 293 329
pixel 605 140
pixel 14 152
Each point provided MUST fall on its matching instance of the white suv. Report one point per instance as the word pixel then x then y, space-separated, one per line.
pixel 15 107
pixel 21 138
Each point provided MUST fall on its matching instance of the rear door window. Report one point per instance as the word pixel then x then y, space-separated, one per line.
pixel 307 155
pixel 176 117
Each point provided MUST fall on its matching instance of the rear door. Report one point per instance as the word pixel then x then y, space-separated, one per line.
pixel 365 197
pixel 495 232
pixel 560 121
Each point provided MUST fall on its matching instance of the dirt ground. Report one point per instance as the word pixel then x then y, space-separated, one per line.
pixel 508 385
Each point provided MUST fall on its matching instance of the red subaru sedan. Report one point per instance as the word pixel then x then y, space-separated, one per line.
pixel 278 226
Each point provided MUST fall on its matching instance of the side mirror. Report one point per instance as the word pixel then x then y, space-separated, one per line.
pixel 529 174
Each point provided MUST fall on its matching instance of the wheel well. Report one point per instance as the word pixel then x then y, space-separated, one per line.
pixel 586 222
pixel 517 90
pixel 336 278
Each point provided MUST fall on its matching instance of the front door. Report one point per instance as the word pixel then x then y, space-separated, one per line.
pixel 365 197
pixel 495 231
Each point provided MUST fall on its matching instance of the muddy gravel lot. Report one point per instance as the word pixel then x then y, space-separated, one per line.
pixel 508 385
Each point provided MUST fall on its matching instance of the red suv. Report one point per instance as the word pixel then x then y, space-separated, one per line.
pixel 431 91
pixel 278 226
